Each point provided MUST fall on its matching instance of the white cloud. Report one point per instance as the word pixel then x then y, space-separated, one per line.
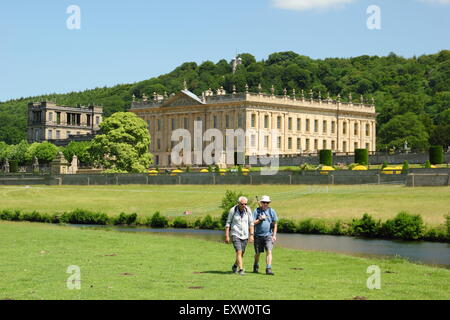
pixel 302 5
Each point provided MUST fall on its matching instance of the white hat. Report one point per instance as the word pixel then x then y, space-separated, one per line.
pixel 265 199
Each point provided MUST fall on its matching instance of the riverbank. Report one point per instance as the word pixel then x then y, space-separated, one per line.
pixel 145 266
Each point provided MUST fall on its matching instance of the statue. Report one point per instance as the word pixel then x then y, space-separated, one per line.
pixel 35 164
pixel 6 166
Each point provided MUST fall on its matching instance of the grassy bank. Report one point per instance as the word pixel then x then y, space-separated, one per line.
pixel 145 266
pixel 331 203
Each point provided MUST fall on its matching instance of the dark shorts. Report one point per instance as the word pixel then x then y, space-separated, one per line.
pixel 263 243
pixel 239 244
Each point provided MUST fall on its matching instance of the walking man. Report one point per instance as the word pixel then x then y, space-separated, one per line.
pixel 240 222
pixel 265 221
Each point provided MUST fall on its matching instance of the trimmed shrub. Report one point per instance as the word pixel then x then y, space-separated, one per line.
pixel 362 157
pixel 326 157
pixel 436 154
pixel 385 164
pixel 286 226
pixel 81 216
pixel 405 167
pixel 366 226
pixel 125 219
pixel 158 221
pixel 404 226
pixel 310 226
pixel 180 223
pixel 427 164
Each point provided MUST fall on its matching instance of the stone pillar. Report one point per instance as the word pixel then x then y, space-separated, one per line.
pixel 59 165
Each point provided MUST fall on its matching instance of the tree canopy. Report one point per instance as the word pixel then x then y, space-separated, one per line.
pixel 420 85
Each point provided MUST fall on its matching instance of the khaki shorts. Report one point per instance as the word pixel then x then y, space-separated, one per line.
pixel 263 243
pixel 239 244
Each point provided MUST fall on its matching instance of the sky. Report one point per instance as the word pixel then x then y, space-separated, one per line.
pixel 45 47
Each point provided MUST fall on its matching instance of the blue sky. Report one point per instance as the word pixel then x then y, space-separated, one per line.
pixel 129 41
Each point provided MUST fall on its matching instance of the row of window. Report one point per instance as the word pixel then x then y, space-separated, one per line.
pixel 73 118
pixel 307 146
pixel 58 134
pixel 185 123
pixel 308 125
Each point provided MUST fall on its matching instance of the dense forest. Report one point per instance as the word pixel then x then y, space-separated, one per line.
pixel 412 94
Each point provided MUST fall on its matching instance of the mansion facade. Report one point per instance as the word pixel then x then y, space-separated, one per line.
pixel 281 125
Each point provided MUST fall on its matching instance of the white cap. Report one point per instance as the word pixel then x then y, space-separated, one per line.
pixel 265 199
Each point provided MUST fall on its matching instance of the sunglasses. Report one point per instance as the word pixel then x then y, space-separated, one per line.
pixel 242 204
pixel 265 202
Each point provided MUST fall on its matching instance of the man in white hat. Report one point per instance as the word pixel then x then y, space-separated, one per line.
pixel 265 222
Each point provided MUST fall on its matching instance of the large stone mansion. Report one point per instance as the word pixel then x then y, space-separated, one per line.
pixel 287 125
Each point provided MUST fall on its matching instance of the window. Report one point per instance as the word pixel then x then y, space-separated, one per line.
pixel 159 144
pixel 266 121
pixel 50 134
pixel 58 134
pixel 299 144
pixel 307 144
pixel 186 123
pixel 289 123
pixel 174 124
pixel 299 124
pixel 316 144
pixel 333 126
pixel 356 129
pixel 333 145
pixel 278 122
pixel 344 128
pixel 279 142
pixel 50 116
pixel 356 145
pixel 58 118
pixel 148 124
pixel 97 120
pixel 316 125
pixel 266 142
pixel 159 125
pixel 307 125
pixel 69 133
pixel 289 143
pixel 227 121
pixel 88 119
pixel 253 140
pixel 240 122
pixel 344 146
pixel 324 145
pixel 368 146
pixel 324 124
pixel 215 122
pixel 253 124
pixel 367 130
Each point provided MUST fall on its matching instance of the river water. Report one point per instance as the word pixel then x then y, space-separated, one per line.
pixel 431 253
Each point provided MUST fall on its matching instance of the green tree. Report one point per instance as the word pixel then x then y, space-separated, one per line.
pixel 45 152
pixel 403 128
pixel 79 149
pixel 123 144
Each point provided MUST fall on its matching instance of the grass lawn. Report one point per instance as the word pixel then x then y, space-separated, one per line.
pixel 297 202
pixel 114 265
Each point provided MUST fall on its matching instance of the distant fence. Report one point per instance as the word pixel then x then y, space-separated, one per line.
pixel 416 177
pixel 375 158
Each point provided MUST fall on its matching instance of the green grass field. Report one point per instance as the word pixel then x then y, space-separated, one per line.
pixel 328 202
pixel 113 265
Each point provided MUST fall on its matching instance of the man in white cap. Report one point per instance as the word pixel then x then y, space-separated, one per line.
pixel 240 225
pixel 265 221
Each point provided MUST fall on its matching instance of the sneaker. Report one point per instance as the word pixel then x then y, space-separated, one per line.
pixel 269 272
pixel 255 269
pixel 234 268
pixel 241 272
